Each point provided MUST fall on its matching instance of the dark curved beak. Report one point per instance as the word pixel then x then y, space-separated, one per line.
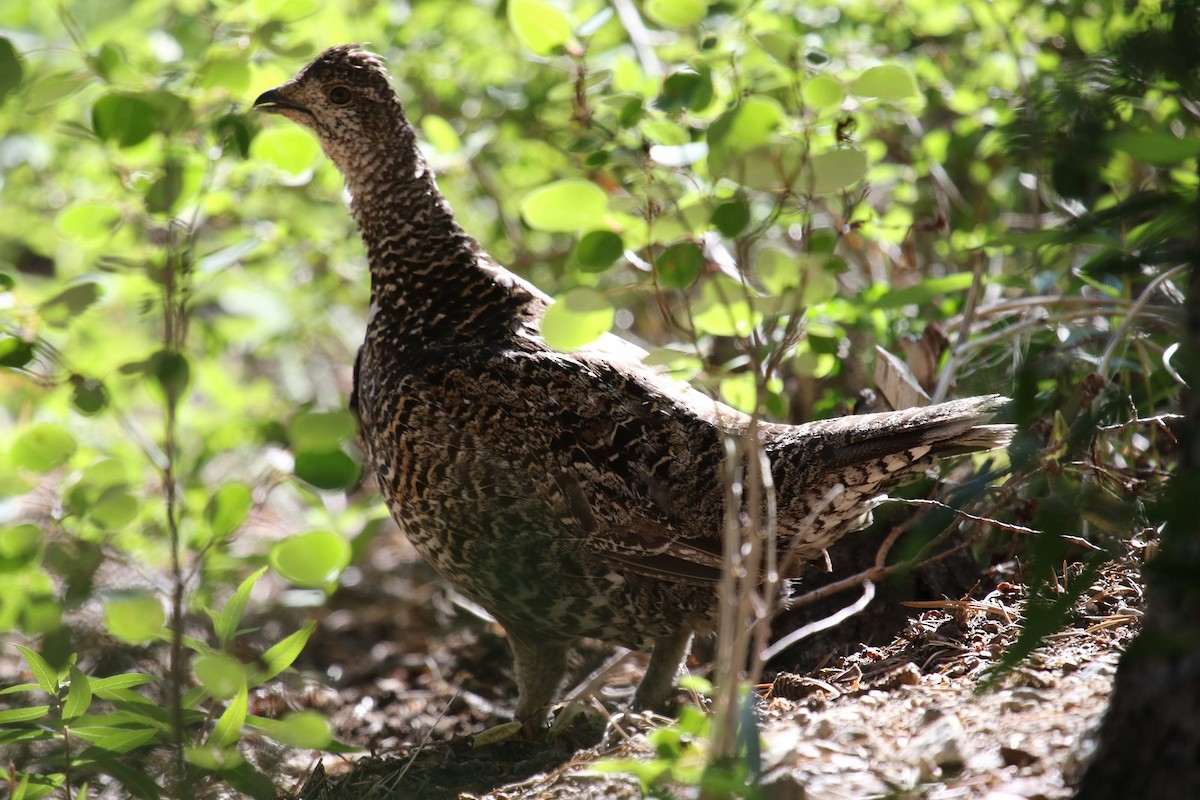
pixel 272 101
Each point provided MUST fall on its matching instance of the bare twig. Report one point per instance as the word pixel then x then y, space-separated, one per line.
pixel 1132 315
pixel 822 624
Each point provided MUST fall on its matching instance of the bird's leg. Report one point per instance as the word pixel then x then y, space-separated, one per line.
pixel 665 660
pixel 540 669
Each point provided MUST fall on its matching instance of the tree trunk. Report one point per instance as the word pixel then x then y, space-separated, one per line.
pixel 1150 738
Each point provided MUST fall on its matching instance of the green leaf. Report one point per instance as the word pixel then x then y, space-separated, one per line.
pixel 227 622
pixel 214 759
pixel 79 696
pixel 114 509
pixel 231 74
pixel 835 170
pixel 886 82
pixel 287 148
pixel 20 540
pixel 88 395
pixel 27 714
pixel 732 217
pixel 578 317
pixel 134 618
pixel 11 71
pixel 88 222
pixel 676 13
pixel 43 673
pixel 679 265
pixel 281 655
pixel 228 729
pixel 124 119
pixel 43 447
pixel 115 739
pixel 685 90
pixel 311 559
pixel 227 509
pixel 106 687
pixel 70 303
pixel 540 26
pixel 598 250
pixel 440 133
pixel 724 309
pixel 1155 147
pixel 567 205
pixel 312 430
pixel 15 352
pixel 742 129
pixel 773 167
pixel 222 675
pixel 823 92
pixel 328 470
pixel 306 729
pixel 171 372
pixel 924 292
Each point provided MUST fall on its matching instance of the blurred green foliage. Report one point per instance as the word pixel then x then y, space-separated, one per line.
pixel 737 185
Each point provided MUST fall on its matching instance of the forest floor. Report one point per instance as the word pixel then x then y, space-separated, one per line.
pixel 411 676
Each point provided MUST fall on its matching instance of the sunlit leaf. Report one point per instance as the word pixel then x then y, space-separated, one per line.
pixel 724 308
pixel 440 133
pixel 88 222
pixel 305 729
pixel 742 129
pixel 45 675
pixel 43 447
pixel 823 92
pixel 228 729
pixel 568 205
pixel 214 759
pixel 227 508
pixel 16 541
pixel 114 508
pixel 280 656
pixel 541 26
pixel 925 291
pixel 230 74
pixel 287 148
pixel 226 623
pixel 321 430
pixel 886 82
pixel 577 318
pixel 79 696
pixel 1155 147
pixel 311 559
pixel 676 13
pixel 134 618
pixel 835 170
pixel 220 674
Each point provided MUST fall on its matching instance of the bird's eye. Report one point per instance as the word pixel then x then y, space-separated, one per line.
pixel 339 95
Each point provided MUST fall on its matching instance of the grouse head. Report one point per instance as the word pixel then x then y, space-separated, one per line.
pixel 344 96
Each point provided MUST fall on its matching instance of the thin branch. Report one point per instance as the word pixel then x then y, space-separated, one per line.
pixel 822 624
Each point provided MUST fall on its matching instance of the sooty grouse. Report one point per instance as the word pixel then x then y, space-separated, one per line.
pixel 570 495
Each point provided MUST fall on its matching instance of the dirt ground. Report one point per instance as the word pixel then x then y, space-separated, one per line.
pixel 408 673
pixel 905 719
